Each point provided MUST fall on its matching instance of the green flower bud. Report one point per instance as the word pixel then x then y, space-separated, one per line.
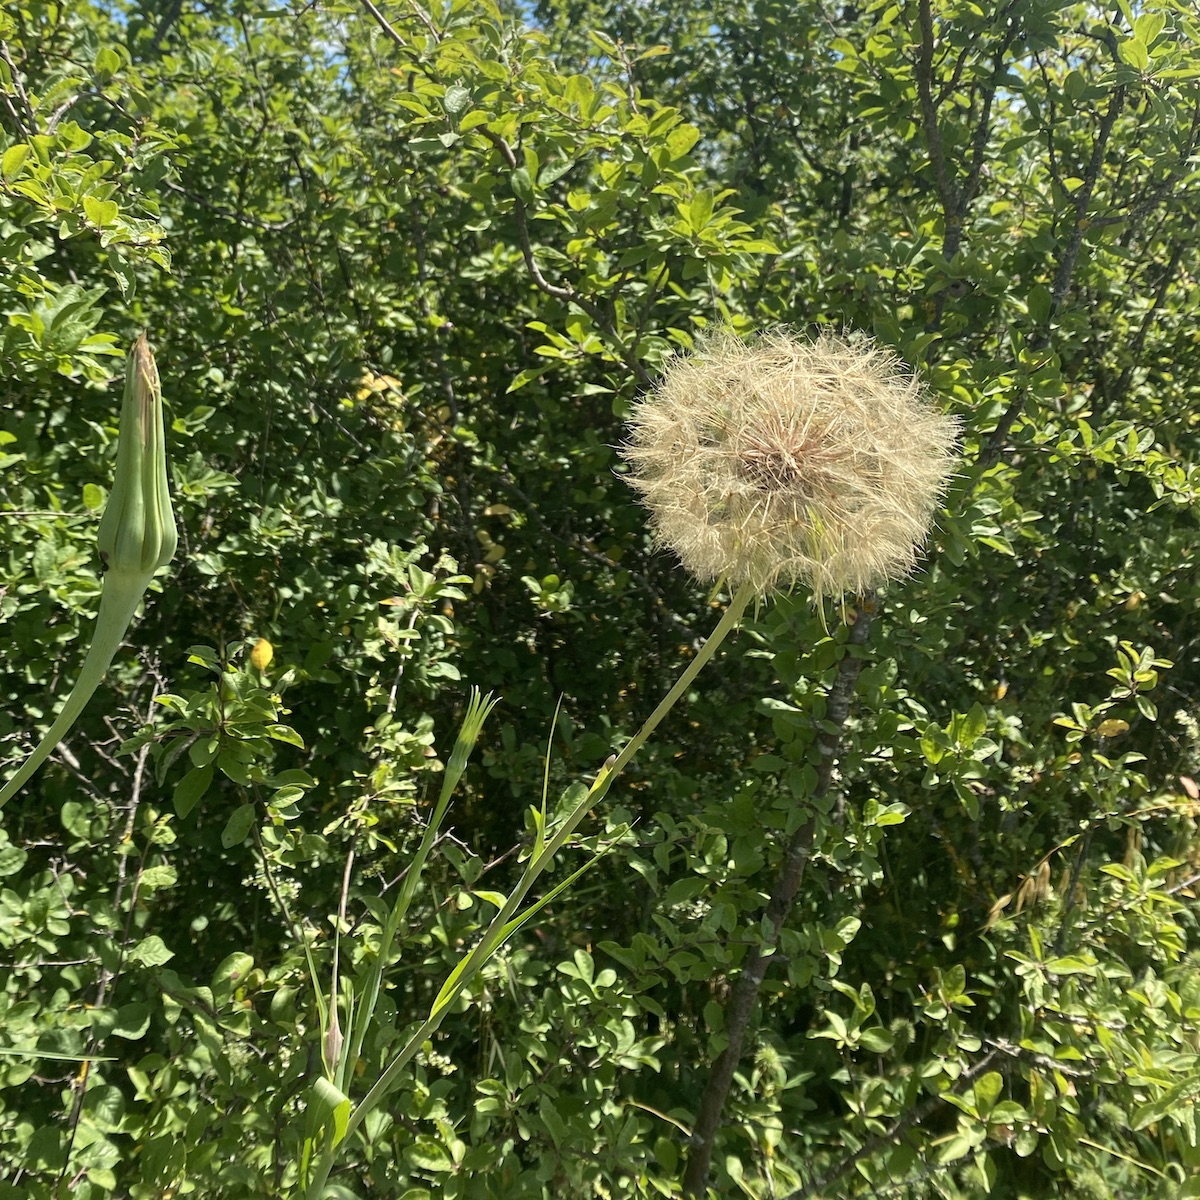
pixel 137 533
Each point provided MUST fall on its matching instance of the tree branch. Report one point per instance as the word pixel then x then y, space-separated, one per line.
pixel 745 992
pixel 1063 276
pixel 30 125
pixel 933 134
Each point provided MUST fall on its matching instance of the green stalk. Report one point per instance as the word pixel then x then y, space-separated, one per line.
pixel 118 603
pixel 509 919
pixel 733 614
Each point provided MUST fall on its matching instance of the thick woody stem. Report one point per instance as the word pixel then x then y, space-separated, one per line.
pixel 744 1000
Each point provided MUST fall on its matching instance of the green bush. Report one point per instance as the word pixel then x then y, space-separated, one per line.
pixel 406 272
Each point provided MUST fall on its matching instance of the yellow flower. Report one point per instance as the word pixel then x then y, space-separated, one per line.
pixel 788 461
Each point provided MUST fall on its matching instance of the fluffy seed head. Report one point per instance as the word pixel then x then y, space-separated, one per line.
pixel 791 461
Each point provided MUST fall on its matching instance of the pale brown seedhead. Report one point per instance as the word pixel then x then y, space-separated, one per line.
pixel 788 461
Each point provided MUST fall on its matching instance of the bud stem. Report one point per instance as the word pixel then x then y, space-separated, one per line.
pixel 118 603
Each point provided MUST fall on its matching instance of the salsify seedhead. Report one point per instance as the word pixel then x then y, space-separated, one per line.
pixel 791 461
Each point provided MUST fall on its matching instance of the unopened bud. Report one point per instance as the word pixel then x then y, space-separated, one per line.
pixel 137 533
pixel 262 654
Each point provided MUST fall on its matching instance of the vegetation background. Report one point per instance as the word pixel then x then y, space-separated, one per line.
pixel 405 270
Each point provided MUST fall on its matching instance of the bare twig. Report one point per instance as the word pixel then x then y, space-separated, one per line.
pixel 929 117
pixel 30 124
pixel 1185 883
pixel 423 288
pixel 170 15
pixel 1012 1050
pixel 914 1116
pixel 387 28
pixel 1148 319
pixel 238 218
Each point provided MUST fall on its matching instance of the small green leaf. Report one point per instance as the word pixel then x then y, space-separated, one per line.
pixel 456 99
pixel 238 826
pixel 1039 303
pixel 524 377
pixel 103 1107
pixel 12 859
pixel 190 789
pixel 107 63
pixel 522 185
pixel 987 1092
pixel 232 971
pixel 151 952
pixel 100 212
pixel 132 1021
pixel 876 1039
pixel 700 210
pixel 1148 26
pixel 1134 52
pixel 973 726
pixel 1072 964
pixel 155 878
pixel 681 139
pixel 13 160
pixel 429 1155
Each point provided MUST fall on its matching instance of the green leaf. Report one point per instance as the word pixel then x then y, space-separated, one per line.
pixel 12 859
pixel 876 1039
pixel 681 139
pixel 190 789
pixel 1134 52
pixel 1039 303
pixel 232 971
pixel 100 212
pixel 521 184
pixel 132 1021
pixel 1148 26
pixel 700 210
pixel 13 160
pixel 456 100
pixel 158 877
pixel 107 62
pixel 238 826
pixel 972 726
pixel 429 1155
pixel 104 1107
pixel 528 375
pixel 1072 964
pixel 151 952
pixel 987 1092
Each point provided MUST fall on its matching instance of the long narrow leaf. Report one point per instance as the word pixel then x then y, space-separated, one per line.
pixel 478 709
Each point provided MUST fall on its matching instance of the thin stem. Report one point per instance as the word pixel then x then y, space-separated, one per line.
pixel 733 614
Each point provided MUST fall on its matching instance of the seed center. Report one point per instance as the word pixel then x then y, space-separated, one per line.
pixel 784 459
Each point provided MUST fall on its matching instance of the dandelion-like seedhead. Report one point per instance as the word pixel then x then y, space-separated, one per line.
pixel 791 461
